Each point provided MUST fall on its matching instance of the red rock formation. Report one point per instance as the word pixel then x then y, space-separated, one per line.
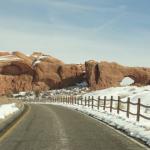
pixel 71 74
pixel 39 86
pixel 47 72
pixel 4 53
pixel 12 84
pixel 23 57
pixel 103 75
pixel 45 58
pixel 19 72
pixel 16 68
pixel 58 75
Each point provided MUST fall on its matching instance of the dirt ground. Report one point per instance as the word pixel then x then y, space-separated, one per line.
pixel 6 100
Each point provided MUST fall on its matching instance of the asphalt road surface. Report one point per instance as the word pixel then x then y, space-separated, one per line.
pixel 49 127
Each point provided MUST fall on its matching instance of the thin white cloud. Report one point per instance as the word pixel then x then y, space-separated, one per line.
pixel 110 22
pixel 72 5
pixel 85 8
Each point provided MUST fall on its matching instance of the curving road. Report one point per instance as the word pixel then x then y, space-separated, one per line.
pixel 49 127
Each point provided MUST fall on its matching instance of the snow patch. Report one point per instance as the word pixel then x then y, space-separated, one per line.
pixel 8 58
pixel 7 109
pixel 127 81
pixel 133 92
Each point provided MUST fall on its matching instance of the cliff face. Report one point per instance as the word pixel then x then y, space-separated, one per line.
pixel 102 75
pixel 19 72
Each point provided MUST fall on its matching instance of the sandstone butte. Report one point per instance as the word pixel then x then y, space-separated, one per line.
pixel 19 72
pixel 101 75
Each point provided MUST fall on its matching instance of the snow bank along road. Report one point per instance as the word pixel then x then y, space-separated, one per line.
pixel 50 127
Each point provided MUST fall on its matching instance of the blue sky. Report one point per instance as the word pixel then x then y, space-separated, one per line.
pixel 78 30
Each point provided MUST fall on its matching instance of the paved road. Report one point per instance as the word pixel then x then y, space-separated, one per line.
pixel 48 127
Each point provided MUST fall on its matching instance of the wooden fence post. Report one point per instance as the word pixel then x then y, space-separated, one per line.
pixel 128 107
pixel 66 99
pixel 118 106
pixel 78 101
pixel 69 100
pixel 72 100
pixel 104 103
pixel 111 103
pixel 138 109
pixel 85 100
pixel 81 100
pixel 98 102
pixel 92 101
pixel 75 98
pixel 88 101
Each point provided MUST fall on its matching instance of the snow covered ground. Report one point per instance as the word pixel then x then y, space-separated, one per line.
pixel 7 109
pixel 133 92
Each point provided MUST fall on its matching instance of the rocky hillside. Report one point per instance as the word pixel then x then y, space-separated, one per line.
pixel 19 72
pixel 102 75
pixel 40 72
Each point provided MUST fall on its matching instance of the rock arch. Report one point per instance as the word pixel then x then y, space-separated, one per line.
pixel 110 74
